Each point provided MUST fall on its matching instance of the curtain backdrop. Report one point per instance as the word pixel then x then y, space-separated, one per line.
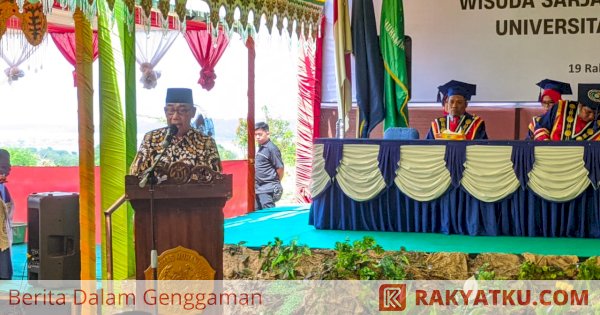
pixel 151 47
pixel 208 51
pixel 309 113
pixel 64 39
pixel 15 50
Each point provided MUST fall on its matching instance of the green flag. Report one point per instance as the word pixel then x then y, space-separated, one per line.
pixel 394 61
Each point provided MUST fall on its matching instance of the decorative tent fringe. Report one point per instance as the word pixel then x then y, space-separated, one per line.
pixel 302 15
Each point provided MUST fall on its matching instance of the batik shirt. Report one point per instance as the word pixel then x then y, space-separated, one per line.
pixel 6 215
pixel 193 149
pixel 562 123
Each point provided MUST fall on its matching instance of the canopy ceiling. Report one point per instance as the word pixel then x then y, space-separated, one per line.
pixel 242 16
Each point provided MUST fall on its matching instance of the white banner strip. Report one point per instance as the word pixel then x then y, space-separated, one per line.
pixel 289 297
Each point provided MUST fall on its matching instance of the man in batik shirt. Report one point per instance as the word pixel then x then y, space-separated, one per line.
pixel 570 120
pixel 457 124
pixel 188 146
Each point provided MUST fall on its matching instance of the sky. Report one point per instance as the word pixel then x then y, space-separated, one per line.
pixel 40 109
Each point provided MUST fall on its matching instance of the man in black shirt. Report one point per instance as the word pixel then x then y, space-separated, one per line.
pixel 268 168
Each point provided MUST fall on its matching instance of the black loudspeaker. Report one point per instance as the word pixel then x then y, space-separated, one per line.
pixel 53 236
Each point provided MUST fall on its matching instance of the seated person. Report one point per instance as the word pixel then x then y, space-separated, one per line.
pixel 457 124
pixel 551 94
pixel 570 120
pixel 188 146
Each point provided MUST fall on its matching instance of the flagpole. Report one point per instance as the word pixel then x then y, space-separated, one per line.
pixel 339 126
pixel 343 48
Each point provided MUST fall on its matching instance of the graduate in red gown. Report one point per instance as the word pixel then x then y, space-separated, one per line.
pixel 570 120
pixel 551 94
pixel 457 124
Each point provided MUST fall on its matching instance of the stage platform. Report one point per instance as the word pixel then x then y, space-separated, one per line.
pixel 291 222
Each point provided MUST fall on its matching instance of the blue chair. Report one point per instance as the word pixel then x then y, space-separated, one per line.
pixel 401 133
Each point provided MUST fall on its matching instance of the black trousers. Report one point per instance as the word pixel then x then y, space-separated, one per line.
pixel 264 201
pixel 6 270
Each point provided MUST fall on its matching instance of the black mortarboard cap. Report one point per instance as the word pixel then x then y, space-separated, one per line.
pixel 561 87
pixel 454 87
pixel 589 95
pixel 179 95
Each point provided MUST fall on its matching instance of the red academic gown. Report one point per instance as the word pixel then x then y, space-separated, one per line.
pixel 562 123
pixel 471 126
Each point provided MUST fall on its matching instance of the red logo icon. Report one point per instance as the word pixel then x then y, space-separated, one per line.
pixel 392 297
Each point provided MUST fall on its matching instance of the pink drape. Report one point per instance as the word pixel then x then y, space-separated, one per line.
pixel 207 53
pixel 309 112
pixel 64 38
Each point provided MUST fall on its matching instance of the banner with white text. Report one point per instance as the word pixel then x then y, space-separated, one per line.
pixel 503 46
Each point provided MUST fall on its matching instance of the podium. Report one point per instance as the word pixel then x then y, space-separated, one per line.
pixel 188 213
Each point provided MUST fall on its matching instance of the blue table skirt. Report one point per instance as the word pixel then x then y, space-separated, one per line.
pixel 457 212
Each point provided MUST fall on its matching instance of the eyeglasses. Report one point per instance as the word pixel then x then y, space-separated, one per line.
pixel 180 110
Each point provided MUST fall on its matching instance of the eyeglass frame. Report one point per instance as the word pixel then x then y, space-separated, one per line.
pixel 182 109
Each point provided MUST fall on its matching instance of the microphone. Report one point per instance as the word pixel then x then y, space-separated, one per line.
pixel 164 145
pixel 170 133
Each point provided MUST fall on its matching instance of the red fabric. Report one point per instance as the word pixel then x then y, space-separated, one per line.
pixel 250 45
pixel 24 181
pixel 155 19
pixel 555 96
pixel 238 204
pixel 579 124
pixel 64 38
pixel 309 105
pixel 453 123
pixel 206 53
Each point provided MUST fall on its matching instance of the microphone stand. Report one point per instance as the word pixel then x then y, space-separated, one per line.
pixel 150 176
pixel 154 250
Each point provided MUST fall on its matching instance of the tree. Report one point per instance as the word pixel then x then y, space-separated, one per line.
pixel 23 156
pixel 42 157
pixel 58 157
pixel 280 133
pixel 226 154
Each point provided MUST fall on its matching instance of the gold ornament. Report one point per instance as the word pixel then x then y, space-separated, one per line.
pixel 182 263
pixel 33 22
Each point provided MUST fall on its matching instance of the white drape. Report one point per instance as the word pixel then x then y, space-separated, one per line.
pixel 422 174
pixel 489 174
pixel 319 177
pixel 150 48
pixel 358 174
pixel 15 50
pixel 559 173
